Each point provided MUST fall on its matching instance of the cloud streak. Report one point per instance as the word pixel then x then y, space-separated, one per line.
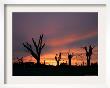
pixel 70 39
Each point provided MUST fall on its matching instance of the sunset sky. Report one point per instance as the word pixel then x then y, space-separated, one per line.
pixel 63 32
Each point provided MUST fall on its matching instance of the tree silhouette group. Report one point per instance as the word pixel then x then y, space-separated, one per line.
pixel 38 46
pixel 58 58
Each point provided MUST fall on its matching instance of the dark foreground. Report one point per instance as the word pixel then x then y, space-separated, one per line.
pixel 49 70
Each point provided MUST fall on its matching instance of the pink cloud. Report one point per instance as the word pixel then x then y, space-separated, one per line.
pixel 69 39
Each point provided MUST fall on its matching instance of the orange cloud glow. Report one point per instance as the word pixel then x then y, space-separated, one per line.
pixel 78 58
pixel 71 38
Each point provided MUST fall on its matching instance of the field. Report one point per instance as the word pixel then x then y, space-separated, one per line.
pixel 29 69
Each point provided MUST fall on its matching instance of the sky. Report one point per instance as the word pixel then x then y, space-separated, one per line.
pixel 63 32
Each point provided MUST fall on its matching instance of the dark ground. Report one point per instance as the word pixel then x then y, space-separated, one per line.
pixel 29 69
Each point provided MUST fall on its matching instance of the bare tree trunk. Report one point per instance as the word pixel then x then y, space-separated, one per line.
pixel 38 61
pixel 57 63
pixel 88 61
pixel 69 62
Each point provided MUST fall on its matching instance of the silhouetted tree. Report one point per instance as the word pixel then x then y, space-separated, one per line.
pixel 66 62
pixel 20 60
pixel 38 48
pixel 44 62
pixel 83 63
pixel 90 49
pixel 88 53
pixel 58 58
pixel 70 57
